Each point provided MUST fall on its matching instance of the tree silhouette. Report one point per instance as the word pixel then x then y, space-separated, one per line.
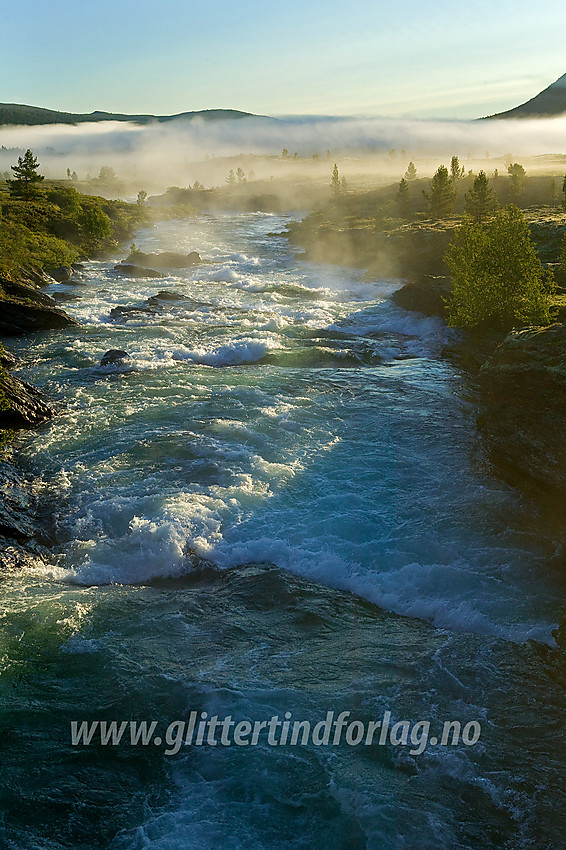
pixel 442 194
pixel 480 201
pixel 404 198
pixel 26 176
pixel 411 172
pixel 518 177
pixel 335 180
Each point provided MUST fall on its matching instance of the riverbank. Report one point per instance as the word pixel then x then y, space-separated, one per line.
pixel 42 240
pixel 520 375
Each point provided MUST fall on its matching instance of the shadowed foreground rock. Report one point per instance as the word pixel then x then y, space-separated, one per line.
pixel 523 390
pixel 24 308
pixel 26 406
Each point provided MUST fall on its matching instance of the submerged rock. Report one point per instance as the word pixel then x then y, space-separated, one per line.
pixel 131 270
pixel 114 357
pixel 165 260
pixel 523 389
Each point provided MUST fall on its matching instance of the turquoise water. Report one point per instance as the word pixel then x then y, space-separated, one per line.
pixel 286 414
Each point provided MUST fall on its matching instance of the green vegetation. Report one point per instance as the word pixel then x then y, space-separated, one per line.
pixel 518 177
pixel 497 279
pixel 442 195
pixel 26 177
pixel 480 202
pixel 58 225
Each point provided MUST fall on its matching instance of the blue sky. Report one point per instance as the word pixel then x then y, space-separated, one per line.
pixel 405 58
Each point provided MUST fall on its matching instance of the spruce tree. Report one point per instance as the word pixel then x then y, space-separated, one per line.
pixel 404 198
pixel 442 195
pixel 518 177
pixel 480 201
pixel 411 172
pixel 335 180
pixel 26 176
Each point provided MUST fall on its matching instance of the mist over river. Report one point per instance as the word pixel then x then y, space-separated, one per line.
pixel 286 423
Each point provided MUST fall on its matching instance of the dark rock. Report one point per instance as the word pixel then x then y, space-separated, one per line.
pixel 131 270
pixel 26 292
pixel 61 274
pixel 122 314
pixel 523 390
pixel 7 359
pixel 27 407
pixel 65 296
pixel 168 295
pixel 19 318
pixel 17 513
pixel 165 260
pixel 38 277
pixel 114 357
pixel 78 267
pixel 424 296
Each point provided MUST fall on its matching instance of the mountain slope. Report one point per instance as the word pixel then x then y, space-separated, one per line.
pixel 551 101
pixel 15 113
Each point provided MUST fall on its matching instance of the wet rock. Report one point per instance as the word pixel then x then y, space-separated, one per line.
pixel 165 260
pixel 61 274
pixel 17 520
pixel 131 270
pixel 523 390
pixel 24 308
pixel 26 406
pixel 19 318
pixel 114 357
pixel 424 296
pixel 7 359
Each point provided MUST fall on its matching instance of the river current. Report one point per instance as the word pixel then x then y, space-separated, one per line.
pixel 280 503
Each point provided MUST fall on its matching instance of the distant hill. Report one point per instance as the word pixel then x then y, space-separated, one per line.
pixel 551 101
pixel 16 113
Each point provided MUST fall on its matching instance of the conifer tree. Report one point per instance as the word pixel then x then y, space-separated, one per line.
pixel 442 194
pixel 26 176
pixel 411 172
pixel 480 201
pixel 335 180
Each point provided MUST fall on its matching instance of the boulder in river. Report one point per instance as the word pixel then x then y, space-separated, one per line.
pixel 114 357
pixel 131 270
pixel 165 260
pixel 424 296
pixel 61 274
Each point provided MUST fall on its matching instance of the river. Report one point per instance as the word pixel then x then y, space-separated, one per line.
pixel 287 424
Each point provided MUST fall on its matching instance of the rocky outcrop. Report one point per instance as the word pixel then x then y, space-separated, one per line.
pixel 22 406
pixel 523 390
pixel 130 270
pixel 164 260
pixel 24 308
